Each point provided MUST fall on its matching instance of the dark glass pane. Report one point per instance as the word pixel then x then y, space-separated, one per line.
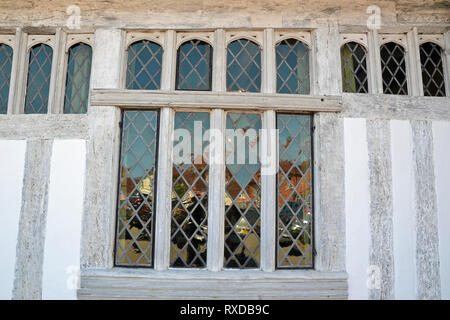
pixel 242 191
pixel 78 77
pixel 292 67
pixel 393 69
pixel 189 191
pixel 136 193
pixel 38 82
pixel 354 69
pixel 144 65
pixel 432 70
pixel 294 192
pixel 194 66
pixel 243 66
pixel 6 55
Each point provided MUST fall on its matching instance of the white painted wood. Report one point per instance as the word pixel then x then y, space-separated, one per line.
pixel 57 82
pixel 63 230
pixel 303 36
pixel 254 36
pixel 12 172
pixel 21 68
pixel 223 100
pixel 155 36
pixel 219 73
pixel 182 37
pixel 415 69
pixel 169 61
pixel 269 72
pixel 404 212
pixel 269 166
pixel 357 199
pixel 441 138
pixel 446 61
pixel 16 45
pixel 164 190
pixel 216 191
pixel 374 66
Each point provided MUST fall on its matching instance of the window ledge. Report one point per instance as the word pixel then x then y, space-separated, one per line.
pixel 135 283
pixel 209 100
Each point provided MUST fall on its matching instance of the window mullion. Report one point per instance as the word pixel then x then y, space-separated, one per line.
pixel 269 165
pixel 446 62
pixel 169 61
pixel 53 94
pixel 164 190
pixel 219 72
pixel 216 199
pixel 415 70
pixel 268 62
pixel 374 63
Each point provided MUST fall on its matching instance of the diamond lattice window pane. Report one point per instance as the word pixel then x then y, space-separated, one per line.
pixel 295 243
pixel 354 68
pixel 38 81
pixel 78 77
pixel 432 69
pixel 393 69
pixel 189 228
pixel 292 67
pixel 242 191
pixel 136 204
pixel 243 66
pixel 144 65
pixel 194 66
pixel 6 55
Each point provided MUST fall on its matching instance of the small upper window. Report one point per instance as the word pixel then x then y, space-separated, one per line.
pixel 393 68
pixel 354 68
pixel 243 66
pixel 292 67
pixel 432 69
pixel 38 81
pixel 194 66
pixel 144 65
pixel 78 76
pixel 6 54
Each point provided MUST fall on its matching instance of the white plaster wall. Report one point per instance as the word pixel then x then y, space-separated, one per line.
pixel 404 214
pixel 356 206
pixel 441 138
pixel 12 161
pixel 63 231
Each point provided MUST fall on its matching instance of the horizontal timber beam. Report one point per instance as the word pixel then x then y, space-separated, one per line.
pixel 214 100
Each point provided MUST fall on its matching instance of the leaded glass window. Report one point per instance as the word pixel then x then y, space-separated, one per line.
pixel 136 205
pixel 242 191
pixel 292 67
pixel 78 77
pixel 6 55
pixel 243 66
pixel 38 80
pixel 354 68
pixel 144 65
pixel 432 69
pixel 393 68
pixel 189 227
pixel 295 201
pixel 194 66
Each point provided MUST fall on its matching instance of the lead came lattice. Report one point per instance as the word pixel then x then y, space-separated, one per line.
pixel 6 54
pixel 393 69
pixel 432 70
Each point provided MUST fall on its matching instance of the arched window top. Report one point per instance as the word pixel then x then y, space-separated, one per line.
pixel 144 65
pixel 194 65
pixel 78 78
pixel 243 66
pixel 354 68
pixel 6 55
pixel 38 80
pixel 432 69
pixel 393 68
pixel 292 58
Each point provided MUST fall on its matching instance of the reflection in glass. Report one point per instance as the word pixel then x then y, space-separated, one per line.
pixel 354 69
pixel 393 69
pixel 78 76
pixel 294 192
pixel 189 227
pixel 136 194
pixel 242 192
pixel 144 65
pixel 38 81
pixel 6 55
pixel 243 66
pixel 432 70
pixel 194 66
pixel 292 67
